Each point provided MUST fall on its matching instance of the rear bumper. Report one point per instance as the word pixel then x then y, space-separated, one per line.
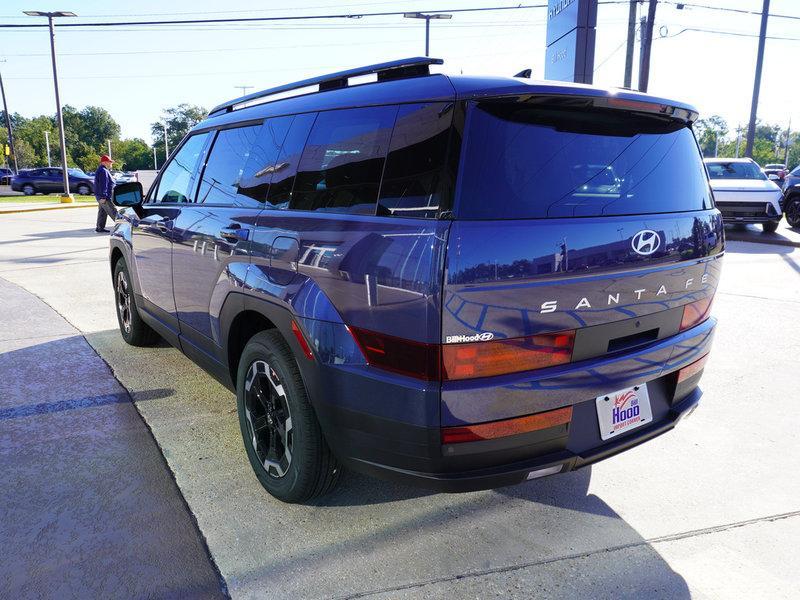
pixel 404 442
pixel 547 464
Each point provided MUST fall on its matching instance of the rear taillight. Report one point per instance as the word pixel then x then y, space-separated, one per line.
pixel 399 355
pixel 506 427
pixel 484 359
pixel 696 312
pixel 463 361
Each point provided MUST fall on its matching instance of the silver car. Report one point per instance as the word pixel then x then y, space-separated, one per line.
pixel 743 193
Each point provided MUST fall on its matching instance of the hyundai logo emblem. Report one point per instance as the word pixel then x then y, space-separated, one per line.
pixel 646 242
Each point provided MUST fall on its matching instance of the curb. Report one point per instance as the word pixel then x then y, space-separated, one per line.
pixel 44 208
pixel 732 236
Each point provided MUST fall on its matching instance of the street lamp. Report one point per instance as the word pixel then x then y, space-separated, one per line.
pixel 47 143
pixel 166 144
pixel 427 17
pixel 65 196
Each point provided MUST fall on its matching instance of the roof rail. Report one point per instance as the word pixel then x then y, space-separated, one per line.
pixel 395 69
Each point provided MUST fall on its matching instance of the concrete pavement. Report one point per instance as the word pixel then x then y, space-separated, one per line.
pixel 89 507
pixel 709 510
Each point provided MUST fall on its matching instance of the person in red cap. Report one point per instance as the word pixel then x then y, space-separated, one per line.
pixel 103 188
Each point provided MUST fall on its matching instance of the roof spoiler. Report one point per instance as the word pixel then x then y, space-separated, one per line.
pixel 396 69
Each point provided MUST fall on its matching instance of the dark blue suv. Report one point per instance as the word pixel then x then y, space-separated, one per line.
pixel 49 180
pixel 460 282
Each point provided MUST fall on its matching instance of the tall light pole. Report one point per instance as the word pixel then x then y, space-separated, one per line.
pixel 166 143
pixel 47 145
pixel 65 196
pixel 155 159
pixel 427 17
pixel 244 88
pixel 762 38
pixel 109 148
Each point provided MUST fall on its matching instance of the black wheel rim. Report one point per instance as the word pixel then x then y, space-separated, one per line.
pixel 793 212
pixel 124 301
pixel 269 421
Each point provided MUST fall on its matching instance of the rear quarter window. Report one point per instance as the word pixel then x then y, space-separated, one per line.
pixel 533 161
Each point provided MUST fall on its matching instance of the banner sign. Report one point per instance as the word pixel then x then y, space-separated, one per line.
pixel 570 40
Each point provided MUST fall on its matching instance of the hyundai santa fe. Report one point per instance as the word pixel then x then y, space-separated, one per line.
pixel 459 282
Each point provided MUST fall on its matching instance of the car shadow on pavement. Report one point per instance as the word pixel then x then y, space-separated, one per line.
pixel 754 234
pixel 548 535
pixel 49 235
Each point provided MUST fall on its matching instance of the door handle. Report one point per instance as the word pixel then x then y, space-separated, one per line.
pixel 234 233
pixel 162 225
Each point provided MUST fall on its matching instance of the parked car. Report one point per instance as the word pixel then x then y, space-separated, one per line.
pixel 743 193
pixel 791 197
pixel 5 176
pixel 420 278
pixel 49 180
pixel 775 172
pixel 123 176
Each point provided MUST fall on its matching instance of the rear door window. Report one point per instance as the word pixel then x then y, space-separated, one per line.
pixel 414 181
pixel 340 170
pixel 177 179
pixel 538 161
pixel 260 166
pixel 221 177
pixel 285 168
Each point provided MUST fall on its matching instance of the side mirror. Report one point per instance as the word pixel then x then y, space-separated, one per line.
pixel 128 194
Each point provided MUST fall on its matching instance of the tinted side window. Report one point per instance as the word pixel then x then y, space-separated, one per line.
pixel 177 179
pixel 280 190
pixel 258 170
pixel 220 181
pixel 413 179
pixel 341 167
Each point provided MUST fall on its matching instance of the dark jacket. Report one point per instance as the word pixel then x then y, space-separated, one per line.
pixel 103 183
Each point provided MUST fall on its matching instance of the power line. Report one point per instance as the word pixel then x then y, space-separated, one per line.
pixel 729 9
pixel 393 13
pixel 722 32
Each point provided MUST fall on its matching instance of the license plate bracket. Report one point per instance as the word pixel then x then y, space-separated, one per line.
pixel 623 410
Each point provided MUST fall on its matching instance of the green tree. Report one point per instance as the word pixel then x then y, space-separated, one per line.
pixel 179 119
pixel 710 133
pixel 132 154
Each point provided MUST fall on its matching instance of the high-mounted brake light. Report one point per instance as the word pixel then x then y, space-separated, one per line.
pixel 506 427
pixel 484 359
pixel 696 312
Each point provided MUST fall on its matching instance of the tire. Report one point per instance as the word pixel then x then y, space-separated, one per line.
pixel 792 211
pixel 84 190
pixel 28 190
pixel 770 226
pixel 134 331
pixel 281 434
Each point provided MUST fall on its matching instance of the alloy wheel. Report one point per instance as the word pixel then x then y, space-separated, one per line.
pixel 124 301
pixel 793 212
pixel 269 420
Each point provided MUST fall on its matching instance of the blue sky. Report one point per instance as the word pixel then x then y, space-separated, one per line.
pixel 135 72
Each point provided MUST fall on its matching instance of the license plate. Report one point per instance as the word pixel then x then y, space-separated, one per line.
pixel 623 410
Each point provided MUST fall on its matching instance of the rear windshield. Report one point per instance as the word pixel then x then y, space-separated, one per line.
pixel 734 170
pixel 522 161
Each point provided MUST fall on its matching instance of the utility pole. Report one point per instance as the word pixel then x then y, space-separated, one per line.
pixel 8 126
pixel 788 137
pixel 166 144
pixel 244 88
pixel 65 196
pixel 47 145
pixel 155 159
pixel 647 42
pixel 631 43
pixel 738 138
pixel 762 38
pixel 109 148
pixel 427 18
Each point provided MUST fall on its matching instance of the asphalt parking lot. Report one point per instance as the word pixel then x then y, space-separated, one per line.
pixel 709 510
